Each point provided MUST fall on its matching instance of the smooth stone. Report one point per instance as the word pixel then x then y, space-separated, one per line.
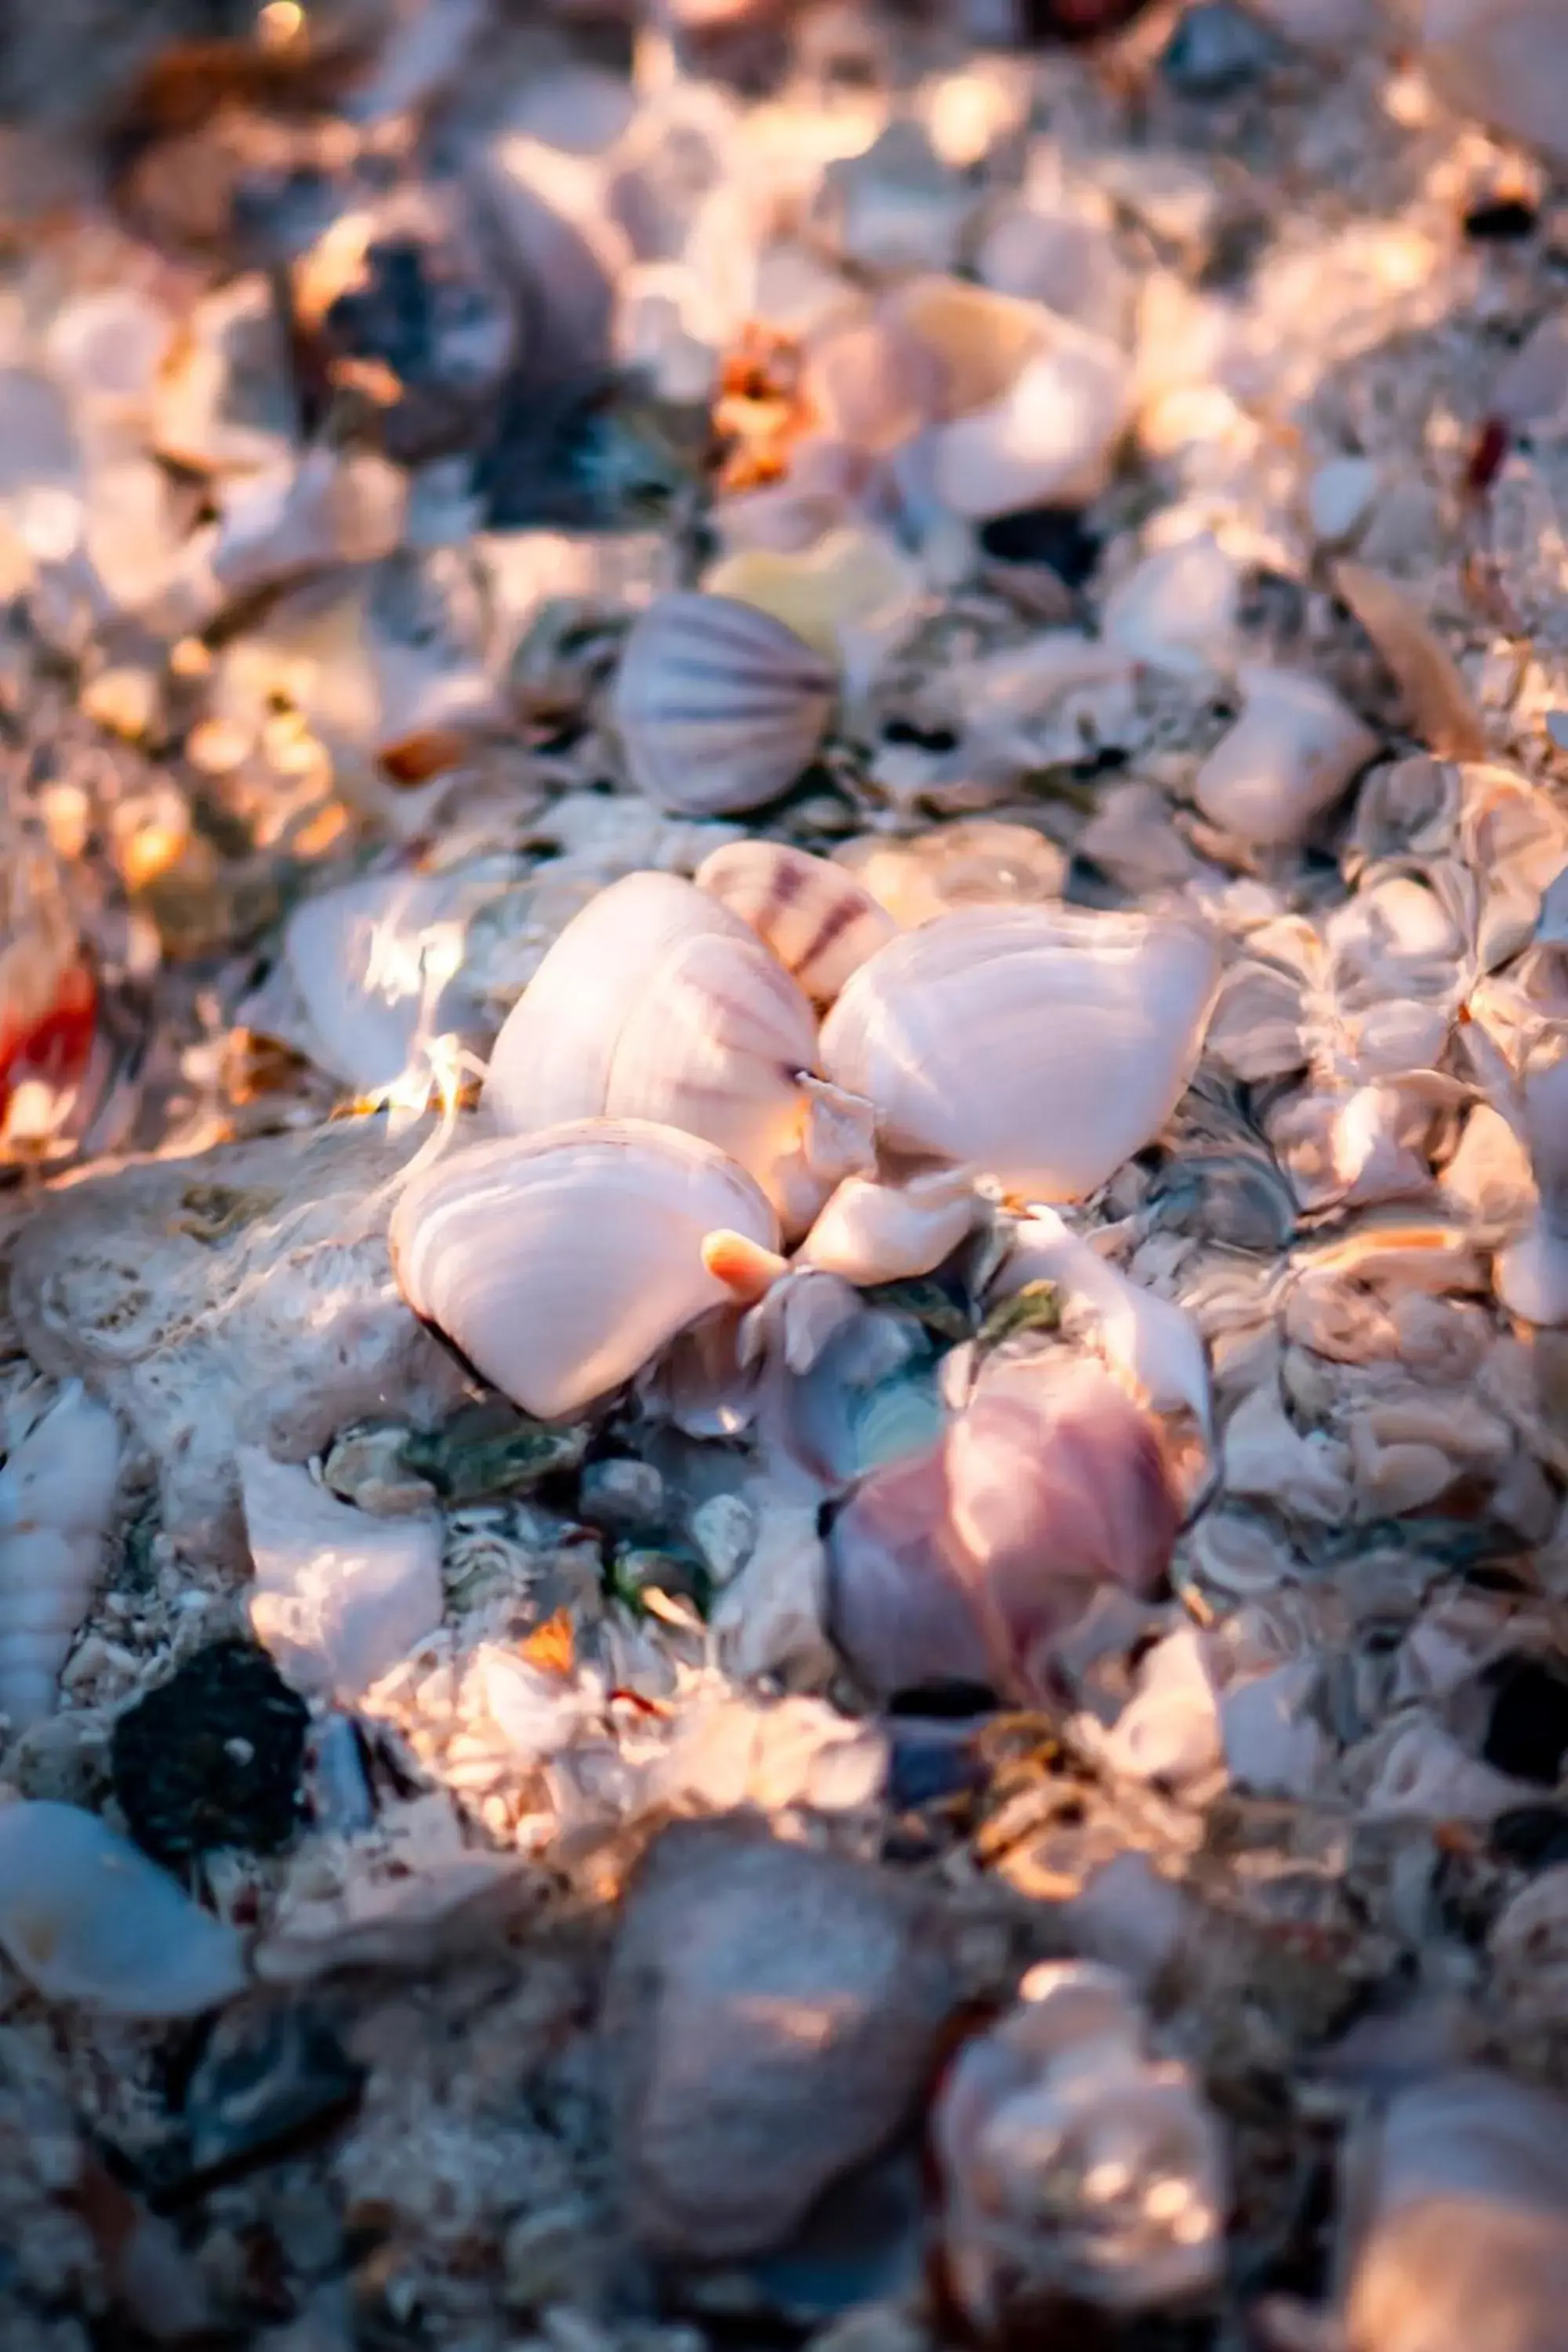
pixel 1339 497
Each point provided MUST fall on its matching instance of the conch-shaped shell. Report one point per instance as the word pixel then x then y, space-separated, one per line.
pixel 1289 756
pixel 85 1916
pixel 718 705
pixel 657 1003
pixel 562 1263
pixel 820 922
pixel 970 1560
pixel 1076 2166
pixel 56 1498
pixel 1042 1045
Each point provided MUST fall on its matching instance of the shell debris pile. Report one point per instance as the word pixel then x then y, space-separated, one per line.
pixel 784 1175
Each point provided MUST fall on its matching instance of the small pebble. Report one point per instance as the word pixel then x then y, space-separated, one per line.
pixel 1218 50
pixel 1339 498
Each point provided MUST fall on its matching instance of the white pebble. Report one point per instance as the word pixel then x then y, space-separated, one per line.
pixel 1339 498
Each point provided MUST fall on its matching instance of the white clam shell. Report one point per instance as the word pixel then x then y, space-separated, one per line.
pixel 1050 438
pixel 57 1499
pixel 1043 1046
pixel 340 1596
pixel 86 1918
pixel 718 706
pixel 657 1003
pixel 563 1263
pixel 871 1231
pixel 1289 756
pixel 819 922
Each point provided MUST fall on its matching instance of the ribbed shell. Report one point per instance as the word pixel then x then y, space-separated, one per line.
pixel 561 1264
pixel 820 922
pixel 57 1499
pixel 657 1003
pixel 1042 1045
pixel 718 705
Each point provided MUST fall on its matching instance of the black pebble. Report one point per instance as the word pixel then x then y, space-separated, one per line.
pixel 183 1779
pixel 1535 1837
pixel 1505 221
pixel 1528 1731
pixel 1055 536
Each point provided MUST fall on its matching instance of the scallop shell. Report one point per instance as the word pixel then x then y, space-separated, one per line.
pixel 1042 1045
pixel 86 1918
pixel 820 922
pixel 657 1003
pixel 718 705
pixel 57 1499
pixel 563 1263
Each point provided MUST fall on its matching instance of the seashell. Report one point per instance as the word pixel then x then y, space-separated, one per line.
pixel 1168 1730
pixel 1050 438
pixel 1176 609
pixel 817 918
pixel 970 1560
pixel 1043 1046
pixel 1453 2226
pixel 1075 2166
pixel 873 1231
pixel 657 1003
pixel 1288 757
pixel 872 384
pixel 1505 61
pixel 1514 840
pixel 85 1918
pixel 562 1263
pixel 1442 710
pixel 973 862
pixel 718 705
pixel 896 206
pixel 340 1596
pixel 57 1501
pixel 846 597
pixel 1272 1746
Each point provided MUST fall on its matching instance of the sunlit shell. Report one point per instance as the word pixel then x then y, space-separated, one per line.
pixel 56 1500
pixel 1076 2166
pixel 1442 709
pixel 85 1916
pixel 562 1263
pixel 1288 757
pixel 873 1231
pixel 718 706
pixel 1043 1046
pixel 974 861
pixel 817 918
pixel 658 1003
pixel 1049 439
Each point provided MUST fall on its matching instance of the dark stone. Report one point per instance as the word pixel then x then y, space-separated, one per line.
pixel 212 1758
pixel 1528 1734
pixel 1218 50
pixel 1534 1836
pixel 1506 220
pixel 1057 537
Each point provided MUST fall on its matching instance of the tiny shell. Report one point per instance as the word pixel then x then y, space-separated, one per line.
pixel 871 1231
pixel 657 1002
pixel 1043 1046
pixel 719 707
pixel 340 1596
pixel 820 922
pixel 57 1499
pixel 1076 2166
pixel 1289 756
pixel 86 1918
pixel 562 1263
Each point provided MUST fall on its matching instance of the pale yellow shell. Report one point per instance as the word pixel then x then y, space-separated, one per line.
pixel 563 1263
pixel 718 706
pixel 1044 1045
pixel 818 921
pixel 657 1002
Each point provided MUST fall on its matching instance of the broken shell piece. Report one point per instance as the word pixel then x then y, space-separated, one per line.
pixel 1442 709
pixel 562 1263
pixel 875 1231
pixel 846 598
pixel 375 964
pixel 1454 2227
pixel 1049 440
pixel 818 920
pixel 973 862
pixel 1076 2166
pixel 1290 754
pixel 86 1918
pixel 1043 1046
pixel 718 706
pixel 969 1562
pixel 1505 61
pixel 657 1003
pixel 340 1596
pixel 57 1499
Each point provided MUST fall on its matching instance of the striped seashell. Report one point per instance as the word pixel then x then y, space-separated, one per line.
pixel 657 1002
pixel 820 922
pixel 1043 1045
pixel 563 1263
pixel 718 706
pixel 57 1499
